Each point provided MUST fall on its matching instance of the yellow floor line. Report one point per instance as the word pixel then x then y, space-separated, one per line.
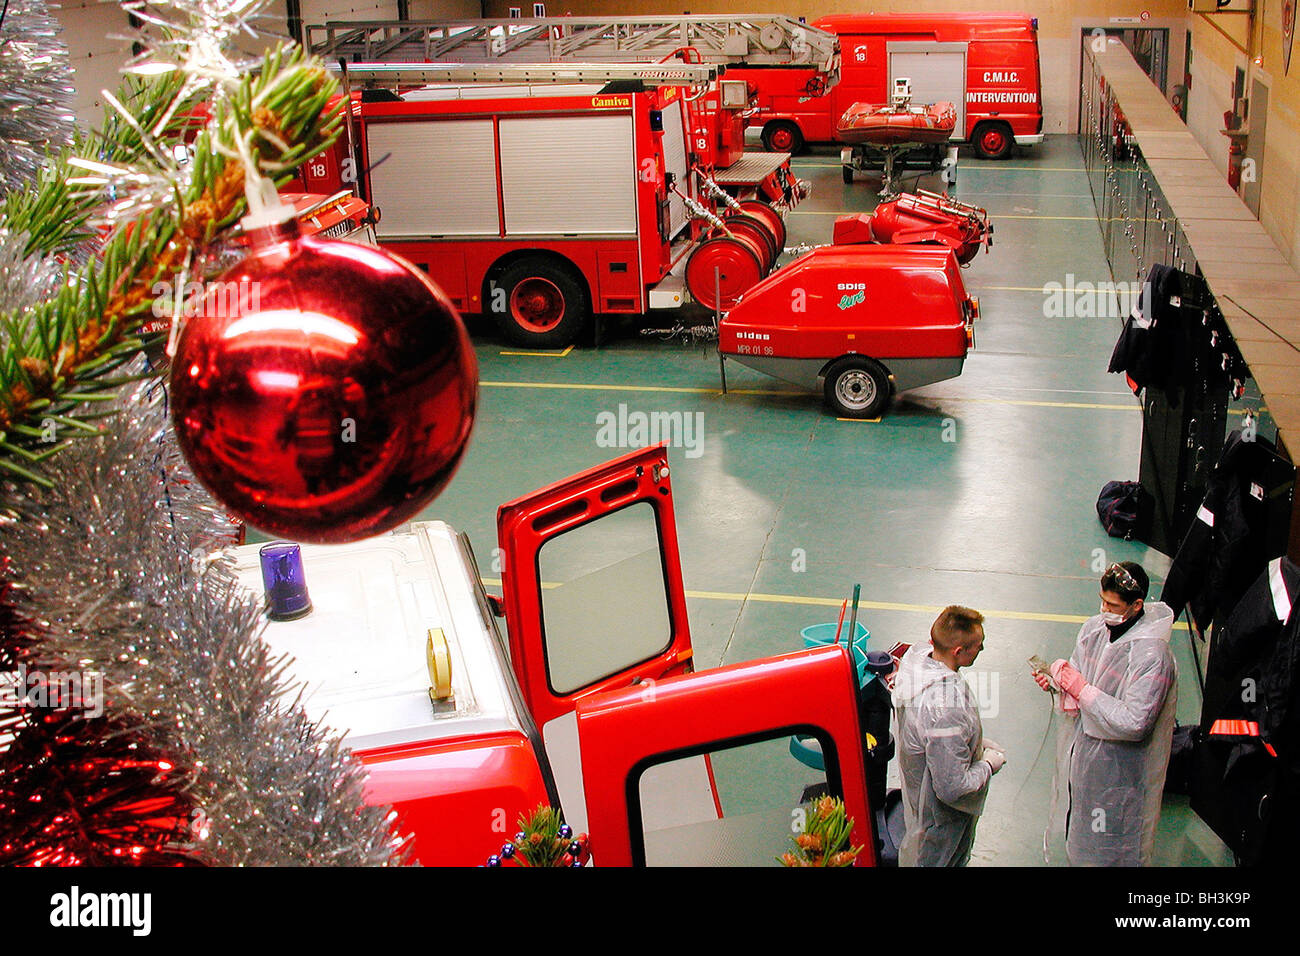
pixel 1012 288
pixel 819 212
pixel 962 169
pixel 581 386
pixel 1016 401
pixel 805 601
pixel 673 389
pixel 542 354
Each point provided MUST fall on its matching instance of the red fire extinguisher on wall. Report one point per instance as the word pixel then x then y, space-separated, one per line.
pixel 1236 147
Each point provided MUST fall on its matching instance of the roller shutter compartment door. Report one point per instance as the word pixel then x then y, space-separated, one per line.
pixel 568 175
pixel 434 178
pixel 937 77
pixel 675 160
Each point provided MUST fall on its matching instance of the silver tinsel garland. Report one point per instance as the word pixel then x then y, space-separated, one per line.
pixel 24 280
pixel 117 568
pixel 35 91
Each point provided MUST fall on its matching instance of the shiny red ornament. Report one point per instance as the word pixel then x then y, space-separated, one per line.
pixel 325 391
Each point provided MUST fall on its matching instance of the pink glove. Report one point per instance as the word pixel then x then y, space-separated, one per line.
pixel 1068 678
pixel 1042 680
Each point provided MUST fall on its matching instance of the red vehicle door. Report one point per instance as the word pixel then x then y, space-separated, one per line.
pixel 594 601
pixel 632 743
pixel 596 614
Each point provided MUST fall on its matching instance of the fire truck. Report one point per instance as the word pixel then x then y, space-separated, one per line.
pixel 986 64
pixel 546 194
pixel 720 122
pixel 592 706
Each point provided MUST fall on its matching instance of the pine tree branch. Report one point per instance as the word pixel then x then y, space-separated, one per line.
pixel 61 352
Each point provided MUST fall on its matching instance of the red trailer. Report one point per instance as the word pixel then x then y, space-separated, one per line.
pixel 986 64
pixel 860 321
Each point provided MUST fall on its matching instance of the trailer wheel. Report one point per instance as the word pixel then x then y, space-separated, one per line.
pixel 856 387
pixel 782 136
pixel 993 140
pixel 847 172
pixel 538 304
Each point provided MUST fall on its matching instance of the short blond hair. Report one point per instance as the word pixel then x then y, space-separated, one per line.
pixel 955 627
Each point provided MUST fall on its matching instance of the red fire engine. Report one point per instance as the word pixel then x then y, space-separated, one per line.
pixel 594 707
pixel 557 192
pixel 718 133
pixel 986 64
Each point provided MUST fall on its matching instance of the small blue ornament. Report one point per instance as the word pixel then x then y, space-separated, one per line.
pixel 494 860
pixel 520 837
pixel 566 831
pixel 577 864
pixel 575 848
pixel 507 850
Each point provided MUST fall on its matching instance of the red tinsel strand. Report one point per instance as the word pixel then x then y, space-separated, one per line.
pixel 77 790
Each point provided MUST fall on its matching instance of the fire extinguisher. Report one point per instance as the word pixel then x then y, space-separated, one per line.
pixel 1236 149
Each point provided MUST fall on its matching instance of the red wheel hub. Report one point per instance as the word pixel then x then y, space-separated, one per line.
pixel 993 141
pixel 537 304
pixel 782 139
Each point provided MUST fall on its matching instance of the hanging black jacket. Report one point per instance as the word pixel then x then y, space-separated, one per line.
pixel 1176 337
pixel 1235 534
pixel 1155 346
pixel 1246 784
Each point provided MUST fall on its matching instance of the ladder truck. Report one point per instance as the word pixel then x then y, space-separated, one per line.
pixel 760 41
pixel 549 195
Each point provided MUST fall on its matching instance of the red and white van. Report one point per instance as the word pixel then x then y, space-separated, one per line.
pixel 986 64
pixel 593 706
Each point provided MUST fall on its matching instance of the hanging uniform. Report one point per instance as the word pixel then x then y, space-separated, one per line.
pixel 1246 784
pixel 1113 751
pixel 1239 527
pixel 940 740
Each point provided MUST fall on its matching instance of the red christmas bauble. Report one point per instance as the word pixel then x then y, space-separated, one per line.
pixel 325 391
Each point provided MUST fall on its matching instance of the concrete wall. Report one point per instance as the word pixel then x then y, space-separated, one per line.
pixel 97 58
pixel 1214 60
pixel 89 27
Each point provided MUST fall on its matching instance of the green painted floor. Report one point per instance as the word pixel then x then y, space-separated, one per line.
pixel 978 491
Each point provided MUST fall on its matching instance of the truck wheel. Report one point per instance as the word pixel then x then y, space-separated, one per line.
pixel 538 304
pixel 856 387
pixel 847 173
pixel 782 136
pixel 993 140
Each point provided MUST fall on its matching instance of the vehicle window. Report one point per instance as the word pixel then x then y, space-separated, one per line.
pixel 766 795
pixel 604 598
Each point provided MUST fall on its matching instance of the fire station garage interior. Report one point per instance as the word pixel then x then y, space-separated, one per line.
pixel 1018 310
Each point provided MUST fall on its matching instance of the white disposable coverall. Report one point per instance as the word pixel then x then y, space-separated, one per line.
pixel 1113 752
pixel 940 740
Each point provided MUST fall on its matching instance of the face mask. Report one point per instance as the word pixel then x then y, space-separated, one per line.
pixel 1111 620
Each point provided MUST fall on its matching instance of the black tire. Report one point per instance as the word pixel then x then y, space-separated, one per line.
pixel 782 136
pixel 993 140
pixel 538 303
pixel 857 387
pixel 847 173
